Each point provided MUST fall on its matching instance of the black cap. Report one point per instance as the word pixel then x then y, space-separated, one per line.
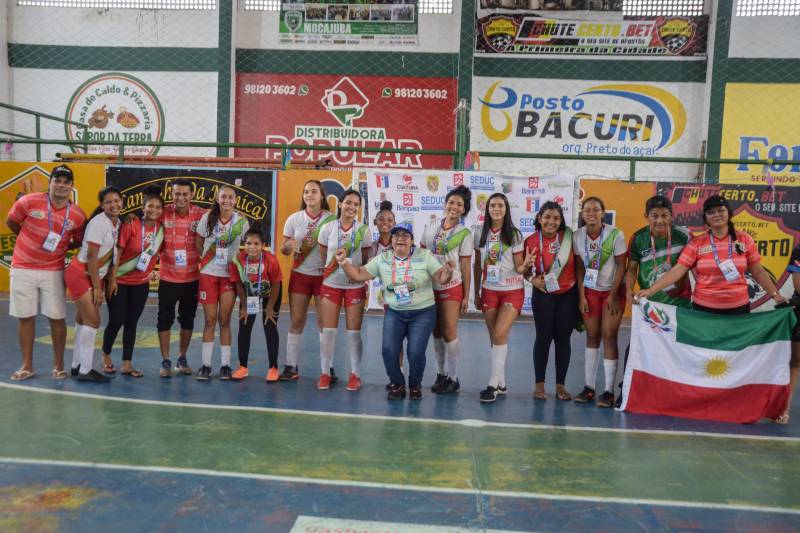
pixel 62 171
pixel 715 201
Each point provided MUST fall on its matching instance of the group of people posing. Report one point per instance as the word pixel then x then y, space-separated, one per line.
pixel 581 279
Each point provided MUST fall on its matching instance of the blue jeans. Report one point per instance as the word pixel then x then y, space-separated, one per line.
pixel 416 326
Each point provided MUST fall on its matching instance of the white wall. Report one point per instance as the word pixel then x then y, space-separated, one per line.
pixel 765 37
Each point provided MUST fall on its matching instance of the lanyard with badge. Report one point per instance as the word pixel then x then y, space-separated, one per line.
pixel 53 239
pixel 550 277
pixel 592 265
pixel 340 244
pixel 440 239
pixel 253 302
pixel 402 292
pixel 181 260
pixel 727 267
pixel 221 255
pixel 493 271
pixel 146 255
pixel 660 270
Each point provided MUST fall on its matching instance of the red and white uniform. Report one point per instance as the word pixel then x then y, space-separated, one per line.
pixel 103 234
pixel 336 285
pixel 301 227
pixel 545 257
pixel 444 244
pixel 179 234
pixel 506 286
pixel 130 245
pixel 214 276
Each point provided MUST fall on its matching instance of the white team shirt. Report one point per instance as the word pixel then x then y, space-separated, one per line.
pixel 434 236
pixel 378 247
pixel 102 232
pixel 333 236
pixel 299 226
pixel 234 229
pixel 509 278
pixel 605 278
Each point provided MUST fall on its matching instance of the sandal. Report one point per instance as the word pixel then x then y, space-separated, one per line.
pixel 783 419
pixel 133 372
pixel 563 395
pixel 109 368
pixel 539 395
pixel 59 374
pixel 22 375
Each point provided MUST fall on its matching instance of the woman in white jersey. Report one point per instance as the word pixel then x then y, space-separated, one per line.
pixel 499 289
pixel 300 234
pixel 338 290
pixel 85 278
pixel 449 240
pixel 219 235
pixel 600 253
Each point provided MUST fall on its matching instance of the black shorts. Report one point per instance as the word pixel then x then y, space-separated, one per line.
pixel 183 294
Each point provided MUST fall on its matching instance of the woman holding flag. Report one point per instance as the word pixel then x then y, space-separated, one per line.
pixel 337 290
pixel 499 289
pixel 300 235
pixel 219 236
pixel 449 240
pixel 549 265
pixel 140 241
pixel 600 252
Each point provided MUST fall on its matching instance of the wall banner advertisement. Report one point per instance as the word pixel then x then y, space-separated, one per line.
pixel 351 111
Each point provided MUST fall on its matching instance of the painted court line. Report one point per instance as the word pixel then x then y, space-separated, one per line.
pixel 392 486
pixel 463 422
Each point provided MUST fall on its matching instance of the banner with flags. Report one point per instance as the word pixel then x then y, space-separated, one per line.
pixel 692 364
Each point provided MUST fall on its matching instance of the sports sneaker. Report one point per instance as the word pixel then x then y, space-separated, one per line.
pixel 488 395
pixel 606 399
pixel 415 393
pixel 441 379
pixel 396 392
pixel 225 373
pixel 166 368
pixel 354 383
pixel 450 386
pixel 204 374
pixel 324 382
pixel 618 402
pixel 272 375
pixel 289 374
pixel 240 373
pixel 94 376
pixel 183 366
pixel 75 371
pixel 502 390
pixel 585 396
pixel 334 379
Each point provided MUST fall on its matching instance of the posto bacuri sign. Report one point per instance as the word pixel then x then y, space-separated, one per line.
pixel 117 107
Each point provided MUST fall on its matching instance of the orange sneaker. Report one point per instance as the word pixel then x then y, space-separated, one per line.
pixel 240 373
pixel 324 382
pixel 272 375
pixel 354 383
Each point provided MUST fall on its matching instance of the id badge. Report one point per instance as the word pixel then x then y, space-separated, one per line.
pixel 144 261
pixel 51 241
pixel 493 274
pixel 729 270
pixel 551 283
pixel 402 294
pixel 590 278
pixel 253 305
pixel 180 259
pixel 221 257
pixel 660 275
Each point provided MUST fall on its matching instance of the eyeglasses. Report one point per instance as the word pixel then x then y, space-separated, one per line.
pixel 402 236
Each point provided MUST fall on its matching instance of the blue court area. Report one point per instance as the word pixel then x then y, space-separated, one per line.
pixel 178 454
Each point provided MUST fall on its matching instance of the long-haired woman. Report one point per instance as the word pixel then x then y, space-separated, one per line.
pixel 499 289
pixel 85 278
pixel 140 241
pixel 338 290
pixel 219 236
pixel 300 236
pixel 449 240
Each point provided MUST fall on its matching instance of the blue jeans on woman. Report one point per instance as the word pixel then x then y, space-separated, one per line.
pixel 416 326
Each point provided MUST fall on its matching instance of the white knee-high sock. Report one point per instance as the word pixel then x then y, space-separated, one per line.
pixel 76 347
pixel 453 355
pixel 610 371
pixel 292 348
pixel 499 356
pixel 591 363
pixel 208 349
pixel 225 354
pixel 327 342
pixel 440 349
pixel 88 335
pixel 356 348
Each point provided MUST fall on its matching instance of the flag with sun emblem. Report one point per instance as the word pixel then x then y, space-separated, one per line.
pixel 690 364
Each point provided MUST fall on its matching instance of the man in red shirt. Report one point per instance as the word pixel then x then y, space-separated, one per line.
pixel 179 274
pixel 46 225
